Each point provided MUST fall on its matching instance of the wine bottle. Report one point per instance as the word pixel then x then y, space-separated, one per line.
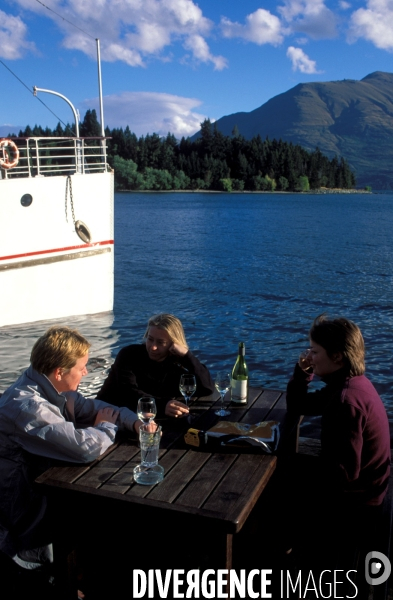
pixel 239 381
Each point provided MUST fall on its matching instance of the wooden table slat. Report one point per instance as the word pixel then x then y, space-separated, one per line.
pixel 202 485
pixel 71 473
pixel 169 459
pixel 111 464
pixel 246 473
pixel 64 474
pixel 279 410
pixel 177 479
pixel 253 490
pixel 261 408
pixel 122 480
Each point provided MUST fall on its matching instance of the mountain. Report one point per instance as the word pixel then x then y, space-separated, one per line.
pixel 353 119
pixel 5 130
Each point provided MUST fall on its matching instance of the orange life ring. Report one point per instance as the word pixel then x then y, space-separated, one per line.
pixel 5 162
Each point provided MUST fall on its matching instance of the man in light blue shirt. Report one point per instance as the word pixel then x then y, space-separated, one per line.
pixel 43 418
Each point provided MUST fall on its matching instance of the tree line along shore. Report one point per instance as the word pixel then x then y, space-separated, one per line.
pixel 212 162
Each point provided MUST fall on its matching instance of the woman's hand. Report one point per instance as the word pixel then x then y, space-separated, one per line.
pixel 175 408
pixel 178 349
pixel 107 414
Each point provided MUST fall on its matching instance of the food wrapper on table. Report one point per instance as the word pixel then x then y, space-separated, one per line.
pixel 264 435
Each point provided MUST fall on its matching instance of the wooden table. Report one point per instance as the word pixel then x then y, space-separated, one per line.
pixel 202 491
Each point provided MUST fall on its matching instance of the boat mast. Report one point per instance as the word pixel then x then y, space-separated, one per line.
pixel 103 146
pixel 100 88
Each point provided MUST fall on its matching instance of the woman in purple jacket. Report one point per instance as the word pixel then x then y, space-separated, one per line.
pixel 355 439
pixel 341 494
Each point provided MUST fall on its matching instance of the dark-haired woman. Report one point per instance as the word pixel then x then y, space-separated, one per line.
pixel 355 439
pixel 343 492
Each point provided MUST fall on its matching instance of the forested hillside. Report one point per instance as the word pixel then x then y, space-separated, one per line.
pixel 212 162
pixel 346 118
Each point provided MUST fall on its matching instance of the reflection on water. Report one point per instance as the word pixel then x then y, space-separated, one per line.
pixel 16 343
pixel 242 267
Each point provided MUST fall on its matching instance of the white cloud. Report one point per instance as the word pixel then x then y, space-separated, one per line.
pixel 201 51
pixel 150 112
pixel 132 30
pixel 114 52
pixel 344 5
pixel 13 42
pixel 374 23
pixel 261 27
pixel 311 17
pixel 301 62
pixel 302 41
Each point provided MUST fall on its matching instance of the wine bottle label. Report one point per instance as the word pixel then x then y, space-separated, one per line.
pixel 239 390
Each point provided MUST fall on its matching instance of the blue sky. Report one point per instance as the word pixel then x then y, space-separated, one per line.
pixel 168 64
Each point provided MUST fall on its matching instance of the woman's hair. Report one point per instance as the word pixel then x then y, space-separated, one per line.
pixel 58 347
pixel 340 335
pixel 171 324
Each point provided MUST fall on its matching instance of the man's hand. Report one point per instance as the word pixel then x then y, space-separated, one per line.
pixel 152 426
pixel 106 414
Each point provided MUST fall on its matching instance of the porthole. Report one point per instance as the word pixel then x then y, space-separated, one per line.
pixel 26 200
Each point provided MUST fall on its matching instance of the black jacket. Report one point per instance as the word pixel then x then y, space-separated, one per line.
pixel 134 374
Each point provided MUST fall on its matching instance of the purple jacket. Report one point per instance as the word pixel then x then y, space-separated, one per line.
pixel 355 438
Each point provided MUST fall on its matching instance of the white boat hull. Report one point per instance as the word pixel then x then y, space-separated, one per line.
pixel 46 270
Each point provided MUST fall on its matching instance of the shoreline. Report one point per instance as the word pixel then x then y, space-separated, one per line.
pixel 318 191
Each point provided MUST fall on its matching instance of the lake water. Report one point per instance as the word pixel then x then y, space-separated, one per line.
pixel 245 267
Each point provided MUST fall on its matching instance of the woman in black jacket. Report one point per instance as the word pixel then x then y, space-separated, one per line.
pixel 154 369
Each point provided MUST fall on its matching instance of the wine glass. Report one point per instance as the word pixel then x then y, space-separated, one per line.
pixel 304 360
pixel 146 410
pixel 223 384
pixel 187 386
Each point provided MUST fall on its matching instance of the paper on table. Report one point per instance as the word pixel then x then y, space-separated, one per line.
pixel 265 434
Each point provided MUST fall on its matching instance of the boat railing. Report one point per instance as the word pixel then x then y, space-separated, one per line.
pixel 57 156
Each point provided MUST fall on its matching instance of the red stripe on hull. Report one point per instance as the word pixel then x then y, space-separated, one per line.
pixel 67 249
